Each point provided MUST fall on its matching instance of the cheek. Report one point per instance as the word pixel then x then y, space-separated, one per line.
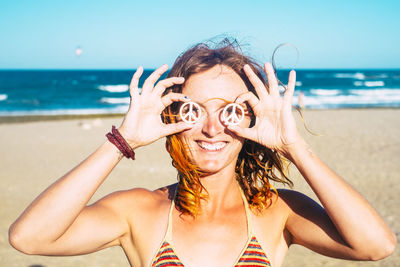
pixel 185 135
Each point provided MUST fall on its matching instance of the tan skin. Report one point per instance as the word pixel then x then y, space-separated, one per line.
pixel 136 219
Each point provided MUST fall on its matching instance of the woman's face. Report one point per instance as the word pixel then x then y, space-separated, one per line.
pixel 212 146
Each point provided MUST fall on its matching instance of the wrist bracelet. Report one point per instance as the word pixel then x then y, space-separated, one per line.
pixel 119 141
pixel 114 141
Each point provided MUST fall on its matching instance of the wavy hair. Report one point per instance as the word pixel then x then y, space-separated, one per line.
pixel 256 165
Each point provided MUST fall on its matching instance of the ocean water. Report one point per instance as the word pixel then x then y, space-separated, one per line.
pixel 61 92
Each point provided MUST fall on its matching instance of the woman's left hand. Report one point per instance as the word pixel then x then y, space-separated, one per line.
pixel 275 126
pixel 349 227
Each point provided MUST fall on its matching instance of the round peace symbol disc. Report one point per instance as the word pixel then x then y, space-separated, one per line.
pixel 233 114
pixel 190 112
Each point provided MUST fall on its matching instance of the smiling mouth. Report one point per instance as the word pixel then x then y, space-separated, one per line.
pixel 211 146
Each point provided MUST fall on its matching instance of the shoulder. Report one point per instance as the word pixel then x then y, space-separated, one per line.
pixel 291 211
pixel 139 201
pixel 303 213
pixel 289 206
pixel 296 202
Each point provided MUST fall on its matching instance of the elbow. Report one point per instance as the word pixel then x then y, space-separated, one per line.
pixel 19 242
pixel 383 249
pixel 387 248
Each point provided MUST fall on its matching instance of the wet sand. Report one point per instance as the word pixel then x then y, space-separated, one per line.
pixel 362 145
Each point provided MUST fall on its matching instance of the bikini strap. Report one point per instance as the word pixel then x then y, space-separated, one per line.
pixel 248 214
pixel 168 234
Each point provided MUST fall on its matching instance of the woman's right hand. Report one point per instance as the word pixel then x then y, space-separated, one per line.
pixel 142 124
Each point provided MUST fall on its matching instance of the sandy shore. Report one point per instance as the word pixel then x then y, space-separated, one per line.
pixel 361 145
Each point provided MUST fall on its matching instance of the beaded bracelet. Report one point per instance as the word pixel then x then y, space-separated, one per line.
pixel 119 141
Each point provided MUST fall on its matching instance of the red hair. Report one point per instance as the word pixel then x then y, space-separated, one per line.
pixel 256 164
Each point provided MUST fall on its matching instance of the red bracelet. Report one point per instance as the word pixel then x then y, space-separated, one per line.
pixel 123 142
pixel 114 141
pixel 118 140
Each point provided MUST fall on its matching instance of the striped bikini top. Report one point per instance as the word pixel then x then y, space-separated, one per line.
pixel 251 255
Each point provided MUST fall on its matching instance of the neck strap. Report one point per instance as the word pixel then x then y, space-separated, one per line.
pixel 248 213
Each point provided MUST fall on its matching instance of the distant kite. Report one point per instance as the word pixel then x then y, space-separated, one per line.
pixel 78 51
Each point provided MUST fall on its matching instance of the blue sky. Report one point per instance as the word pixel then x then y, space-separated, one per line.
pixel 125 34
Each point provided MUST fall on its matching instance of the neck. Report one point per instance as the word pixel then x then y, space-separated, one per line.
pixel 223 191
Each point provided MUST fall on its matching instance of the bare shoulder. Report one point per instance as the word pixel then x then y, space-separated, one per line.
pixel 297 202
pixel 285 201
pixel 304 215
pixel 288 206
pixel 138 201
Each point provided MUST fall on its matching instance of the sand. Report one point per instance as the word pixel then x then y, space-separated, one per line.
pixel 362 145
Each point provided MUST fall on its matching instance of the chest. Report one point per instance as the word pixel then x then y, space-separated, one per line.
pixel 217 242
pixel 220 241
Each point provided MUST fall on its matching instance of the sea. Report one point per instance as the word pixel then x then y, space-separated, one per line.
pixel 82 92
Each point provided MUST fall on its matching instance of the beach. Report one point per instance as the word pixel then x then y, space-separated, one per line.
pixel 362 145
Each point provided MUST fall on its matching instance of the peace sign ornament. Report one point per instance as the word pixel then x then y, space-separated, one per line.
pixel 233 114
pixel 190 112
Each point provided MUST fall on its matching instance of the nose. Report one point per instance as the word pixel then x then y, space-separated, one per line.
pixel 212 125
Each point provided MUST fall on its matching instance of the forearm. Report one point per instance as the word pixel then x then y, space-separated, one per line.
pixel 355 219
pixel 53 211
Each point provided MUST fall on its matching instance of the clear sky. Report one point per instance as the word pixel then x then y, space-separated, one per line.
pixel 123 34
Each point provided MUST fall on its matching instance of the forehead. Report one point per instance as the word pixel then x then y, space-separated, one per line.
pixel 218 82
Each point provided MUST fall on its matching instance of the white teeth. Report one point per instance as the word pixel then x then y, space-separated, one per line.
pixel 212 146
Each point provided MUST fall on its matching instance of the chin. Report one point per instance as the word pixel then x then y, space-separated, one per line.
pixel 210 167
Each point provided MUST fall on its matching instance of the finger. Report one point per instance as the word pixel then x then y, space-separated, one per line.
pixel 272 81
pixel 250 98
pixel 288 96
pixel 248 133
pixel 151 80
pixel 134 85
pixel 255 81
pixel 164 84
pixel 173 128
pixel 173 97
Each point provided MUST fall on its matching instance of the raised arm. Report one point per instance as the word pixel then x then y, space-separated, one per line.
pixel 58 221
pixel 348 226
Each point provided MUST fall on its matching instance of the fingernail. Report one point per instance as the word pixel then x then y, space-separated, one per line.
pixel 185 97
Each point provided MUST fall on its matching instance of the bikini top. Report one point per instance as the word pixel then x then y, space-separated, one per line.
pixel 251 255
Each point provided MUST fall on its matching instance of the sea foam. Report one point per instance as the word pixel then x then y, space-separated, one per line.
pixel 363 98
pixel 357 75
pixel 377 92
pixel 115 100
pixel 324 92
pixel 370 83
pixel 54 112
pixel 116 88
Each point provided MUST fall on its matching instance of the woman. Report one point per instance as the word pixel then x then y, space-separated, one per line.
pixel 223 211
